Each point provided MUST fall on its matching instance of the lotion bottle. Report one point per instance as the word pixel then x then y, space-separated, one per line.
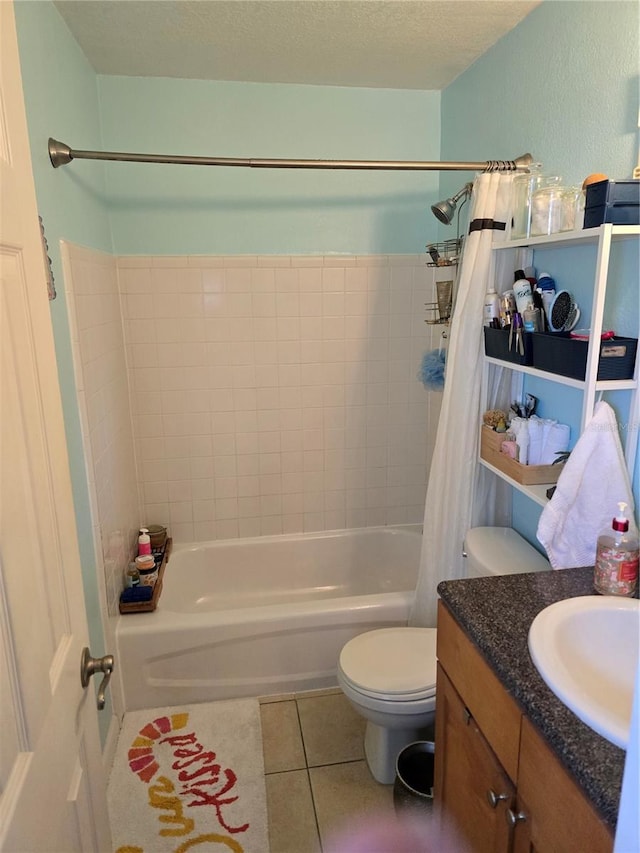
pixel 616 570
pixel 522 291
pixel 144 542
pixel 491 309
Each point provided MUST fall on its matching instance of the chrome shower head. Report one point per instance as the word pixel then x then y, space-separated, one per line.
pixel 444 210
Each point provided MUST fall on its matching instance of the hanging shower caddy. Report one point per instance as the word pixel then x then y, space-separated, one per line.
pixel 443 254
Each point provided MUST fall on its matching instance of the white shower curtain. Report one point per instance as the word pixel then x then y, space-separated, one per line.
pixel 461 493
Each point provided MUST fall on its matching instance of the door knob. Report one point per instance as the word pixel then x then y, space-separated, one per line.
pixel 514 818
pixel 495 799
pixel 89 666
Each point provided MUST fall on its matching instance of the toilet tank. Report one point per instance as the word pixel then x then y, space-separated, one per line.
pixel 500 551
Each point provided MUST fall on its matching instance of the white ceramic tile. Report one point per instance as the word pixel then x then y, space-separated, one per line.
pixel 205 261
pixel 333 278
pixel 263 280
pixel 202 490
pixel 340 261
pixel 270 484
pixel 131 261
pixel 300 261
pixel 310 279
pixel 204 531
pixel 313 521
pixel 223 422
pixel 287 304
pixel 270 505
pixel 292 522
pixel 310 303
pixel 249 527
pixel 227 529
pixel 292 459
pixel 248 486
pixel 225 466
pixel 240 261
pixel 213 280
pixel 237 279
pixel 279 337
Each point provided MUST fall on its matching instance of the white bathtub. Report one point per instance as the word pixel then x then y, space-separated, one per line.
pixel 263 616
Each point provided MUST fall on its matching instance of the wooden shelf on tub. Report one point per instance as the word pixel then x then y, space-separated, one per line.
pixel 150 606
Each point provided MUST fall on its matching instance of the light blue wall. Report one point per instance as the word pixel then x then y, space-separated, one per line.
pixel 192 209
pixel 563 85
pixel 61 99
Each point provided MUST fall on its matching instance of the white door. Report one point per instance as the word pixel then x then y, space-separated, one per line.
pixel 52 787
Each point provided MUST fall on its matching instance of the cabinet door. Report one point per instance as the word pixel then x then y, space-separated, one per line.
pixel 472 791
pixel 559 816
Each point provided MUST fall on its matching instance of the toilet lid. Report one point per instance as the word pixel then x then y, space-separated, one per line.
pixel 392 662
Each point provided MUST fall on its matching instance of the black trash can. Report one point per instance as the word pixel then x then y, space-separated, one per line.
pixel 413 786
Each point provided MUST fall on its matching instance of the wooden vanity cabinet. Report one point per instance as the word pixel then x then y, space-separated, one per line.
pixel 559 816
pixel 471 767
pixel 496 780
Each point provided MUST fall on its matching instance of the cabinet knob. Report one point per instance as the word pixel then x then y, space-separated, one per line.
pixel 494 798
pixel 514 818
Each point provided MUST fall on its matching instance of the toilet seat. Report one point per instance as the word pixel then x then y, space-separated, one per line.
pixel 392 664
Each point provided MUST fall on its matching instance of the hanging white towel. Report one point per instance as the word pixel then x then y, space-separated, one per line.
pixel 593 481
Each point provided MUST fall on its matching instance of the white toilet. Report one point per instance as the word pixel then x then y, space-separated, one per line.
pixel 389 675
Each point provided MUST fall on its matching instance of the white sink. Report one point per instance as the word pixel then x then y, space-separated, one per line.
pixel 586 650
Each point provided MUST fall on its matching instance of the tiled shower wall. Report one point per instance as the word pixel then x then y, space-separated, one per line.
pixel 279 394
pixel 93 303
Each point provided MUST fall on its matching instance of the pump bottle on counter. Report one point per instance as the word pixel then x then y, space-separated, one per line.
pixel 616 570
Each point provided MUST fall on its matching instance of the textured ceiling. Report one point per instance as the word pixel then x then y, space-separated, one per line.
pixel 399 44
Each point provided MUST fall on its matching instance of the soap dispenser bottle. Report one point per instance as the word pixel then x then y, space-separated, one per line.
pixel 144 542
pixel 616 570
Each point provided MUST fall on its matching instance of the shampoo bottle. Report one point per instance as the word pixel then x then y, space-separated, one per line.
pixel 144 542
pixel 616 571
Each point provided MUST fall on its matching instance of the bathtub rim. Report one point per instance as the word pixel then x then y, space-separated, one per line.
pixel 338 532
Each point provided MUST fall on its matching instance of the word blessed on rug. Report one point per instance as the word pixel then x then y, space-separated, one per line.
pixel 190 778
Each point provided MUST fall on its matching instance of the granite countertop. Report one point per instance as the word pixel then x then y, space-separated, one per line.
pixel 496 613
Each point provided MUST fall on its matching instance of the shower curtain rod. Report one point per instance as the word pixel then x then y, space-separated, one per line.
pixel 60 154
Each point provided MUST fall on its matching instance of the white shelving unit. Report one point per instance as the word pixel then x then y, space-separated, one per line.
pixel 602 237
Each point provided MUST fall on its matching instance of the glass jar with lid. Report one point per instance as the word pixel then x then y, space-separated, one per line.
pixel 553 209
pixel 523 188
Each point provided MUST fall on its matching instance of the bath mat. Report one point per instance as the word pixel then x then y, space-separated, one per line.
pixel 190 777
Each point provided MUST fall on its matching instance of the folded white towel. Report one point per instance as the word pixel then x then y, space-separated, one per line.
pixel 536 439
pixel 520 429
pixel 546 438
pixel 593 481
pixel 556 441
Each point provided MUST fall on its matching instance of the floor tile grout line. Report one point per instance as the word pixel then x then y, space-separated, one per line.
pixel 301 732
pixel 306 761
pixel 313 804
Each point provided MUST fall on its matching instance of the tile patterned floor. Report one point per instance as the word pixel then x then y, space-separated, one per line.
pixel 316 776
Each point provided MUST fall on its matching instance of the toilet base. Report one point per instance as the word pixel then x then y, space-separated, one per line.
pixel 382 747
